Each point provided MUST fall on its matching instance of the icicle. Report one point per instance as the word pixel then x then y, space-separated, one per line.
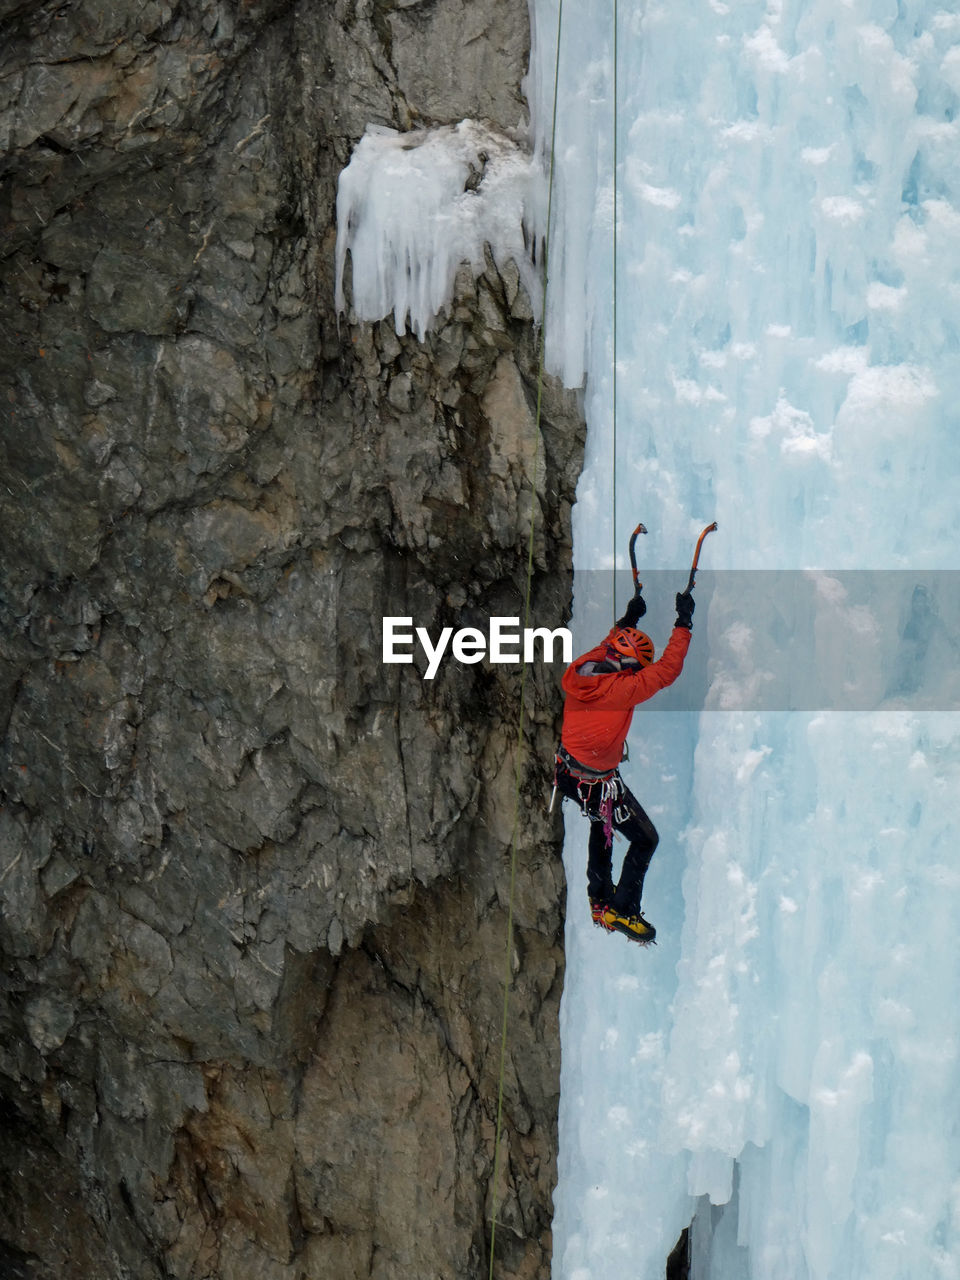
pixel 411 207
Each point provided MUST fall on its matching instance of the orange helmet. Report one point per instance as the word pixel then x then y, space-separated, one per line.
pixel 632 643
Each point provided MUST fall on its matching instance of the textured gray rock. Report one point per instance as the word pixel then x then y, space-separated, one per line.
pixel 252 881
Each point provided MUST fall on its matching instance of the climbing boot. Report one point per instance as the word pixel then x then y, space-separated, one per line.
pixel 634 926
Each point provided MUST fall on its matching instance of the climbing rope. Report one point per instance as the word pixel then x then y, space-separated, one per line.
pixel 616 60
pixel 515 837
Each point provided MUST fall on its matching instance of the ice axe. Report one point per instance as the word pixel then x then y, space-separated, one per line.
pixel 696 555
pixel 637 584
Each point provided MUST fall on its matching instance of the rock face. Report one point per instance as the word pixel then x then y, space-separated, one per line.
pixel 253 882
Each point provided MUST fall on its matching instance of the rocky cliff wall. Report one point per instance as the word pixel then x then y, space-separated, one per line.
pixel 253 883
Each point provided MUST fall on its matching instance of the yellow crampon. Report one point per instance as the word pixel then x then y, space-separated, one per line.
pixel 634 927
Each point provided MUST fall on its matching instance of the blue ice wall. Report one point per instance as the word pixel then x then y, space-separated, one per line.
pixel 788 306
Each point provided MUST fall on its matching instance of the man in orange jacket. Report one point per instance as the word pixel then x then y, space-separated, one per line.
pixel 602 688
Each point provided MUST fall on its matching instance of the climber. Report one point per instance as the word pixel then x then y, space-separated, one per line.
pixel 602 687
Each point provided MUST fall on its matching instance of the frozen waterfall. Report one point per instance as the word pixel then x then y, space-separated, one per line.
pixel 786 1063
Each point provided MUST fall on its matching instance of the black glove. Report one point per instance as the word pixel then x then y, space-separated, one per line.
pixel 685 607
pixel 634 611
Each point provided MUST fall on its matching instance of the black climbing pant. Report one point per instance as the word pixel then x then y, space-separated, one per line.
pixel 628 817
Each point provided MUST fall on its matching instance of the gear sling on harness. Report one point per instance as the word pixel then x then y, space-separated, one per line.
pixel 606 800
pixel 611 790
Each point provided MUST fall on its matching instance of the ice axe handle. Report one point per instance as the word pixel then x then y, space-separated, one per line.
pixel 696 555
pixel 637 584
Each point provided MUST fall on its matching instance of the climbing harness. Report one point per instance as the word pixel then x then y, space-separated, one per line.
pixel 608 809
pixel 564 760
pixel 580 771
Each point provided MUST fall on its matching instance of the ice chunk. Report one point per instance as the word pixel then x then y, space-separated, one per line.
pixel 412 207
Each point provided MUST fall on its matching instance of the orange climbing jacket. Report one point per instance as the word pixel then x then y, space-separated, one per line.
pixel 599 706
